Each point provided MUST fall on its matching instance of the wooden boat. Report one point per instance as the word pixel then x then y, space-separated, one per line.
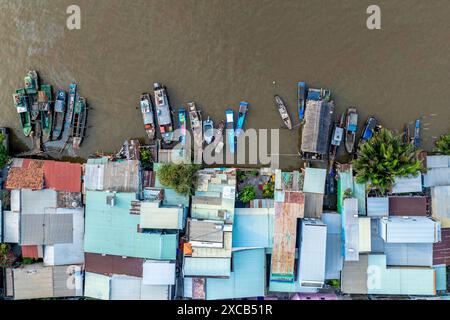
pixel 208 130
pixel 45 98
pixel 34 107
pixel 336 138
pixel 182 122
pixel 350 129
pixel 230 129
pixel 301 99
pixel 416 139
pixel 243 110
pixel 218 137
pixel 163 113
pixel 21 104
pixel 406 134
pixel 69 114
pixel 369 128
pixel 31 82
pixel 58 114
pixel 283 111
pixel 147 115
pixel 196 125
pixel 79 122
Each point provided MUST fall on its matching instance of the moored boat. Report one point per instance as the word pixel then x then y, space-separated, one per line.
pixel 182 125
pixel 283 111
pixel 243 110
pixel 22 107
pixel 416 139
pixel 58 114
pixel 369 128
pixel 196 125
pixel 406 134
pixel 229 113
pixel 301 99
pixel 45 98
pixel 163 113
pixel 69 114
pixel 208 130
pixel 218 137
pixel 336 138
pixel 79 122
pixel 350 129
pixel 31 82
pixel 147 115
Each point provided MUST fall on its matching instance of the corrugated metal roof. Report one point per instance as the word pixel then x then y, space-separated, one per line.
pixel 161 217
pixel 208 267
pixel 15 200
pixel 377 243
pixel 158 273
pixel 97 286
pixel 253 229
pixel 313 205
pixel 409 254
pixel 314 180
pixel 67 281
pixel 408 206
pixel 399 281
pixel 113 230
pixel 205 231
pixel 440 204
pixel 155 292
pixel 316 130
pixel 313 243
pixel 62 176
pixel 334 259
pixel 121 176
pixel 32 251
pixel 354 276
pixel 33 281
pixel 350 228
pixel 11 226
pixel 223 252
pixel 108 264
pixel 437 177
pixel 407 184
pixel 46 228
pixel 377 207
pixel 247 279
pixel 438 161
pixel 38 202
pixel 364 243
pixel 125 287
pixel 345 182
pixel 359 192
pixel 409 230
pixel 441 250
pixel 68 253
pixel 441 277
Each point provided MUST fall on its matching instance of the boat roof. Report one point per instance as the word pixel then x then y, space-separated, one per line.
pixel 229 117
pixel 316 131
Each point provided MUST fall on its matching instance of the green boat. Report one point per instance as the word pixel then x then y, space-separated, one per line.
pixel 21 104
pixel 31 82
pixel 45 99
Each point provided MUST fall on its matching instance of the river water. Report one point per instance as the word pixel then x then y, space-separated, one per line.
pixel 219 52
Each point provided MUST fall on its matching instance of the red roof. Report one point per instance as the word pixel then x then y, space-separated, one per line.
pixel 109 264
pixel 60 176
pixel 441 250
pixel 30 252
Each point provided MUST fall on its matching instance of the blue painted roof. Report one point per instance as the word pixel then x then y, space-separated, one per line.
pixel 441 277
pixel 314 180
pixel 253 227
pixel 208 267
pixel 113 230
pixel 247 279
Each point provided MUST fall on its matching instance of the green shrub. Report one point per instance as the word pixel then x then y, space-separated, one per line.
pixel 4 157
pixel 180 177
pixel 268 190
pixel 443 144
pixel 247 194
pixel 146 157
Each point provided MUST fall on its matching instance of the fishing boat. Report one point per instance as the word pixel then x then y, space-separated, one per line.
pixel 350 129
pixel 79 122
pixel 369 129
pixel 22 105
pixel 31 82
pixel 336 138
pixel 182 125
pixel 243 109
pixel 406 134
pixel 163 113
pixel 147 115
pixel 319 94
pixel 416 138
pixel 69 114
pixel 58 114
pixel 301 99
pixel 196 125
pixel 208 130
pixel 218 137
pixel 283 112
pixel 44 100
pixel 229 113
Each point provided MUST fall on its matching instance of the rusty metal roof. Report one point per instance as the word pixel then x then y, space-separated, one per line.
pixel 441 250
pixel 408 206
pixel 109 264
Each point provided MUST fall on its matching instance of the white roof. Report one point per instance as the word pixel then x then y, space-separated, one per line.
pixel 11 226
pixel 125 287
pixel 97 286
pixel 408 184
pixel 15 200
pixel 365 239
pixel 437 177
pixel 351 229
pixel 149 292
pixel 377 207
pixel 154 217
pixel 438 161
pixel 158 273
pixel 409 230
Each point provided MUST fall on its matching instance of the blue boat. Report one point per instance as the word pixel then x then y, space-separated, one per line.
pixel 230 129
pixel 58 115
pixel 69 114
pixel 243 109
pixel 182 118
pixel 417 134
pixel 369 128
pixel 301 99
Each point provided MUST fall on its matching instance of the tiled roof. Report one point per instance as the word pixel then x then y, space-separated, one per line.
pixel 29 176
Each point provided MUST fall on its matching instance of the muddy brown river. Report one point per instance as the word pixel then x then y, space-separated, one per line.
pixel 219 52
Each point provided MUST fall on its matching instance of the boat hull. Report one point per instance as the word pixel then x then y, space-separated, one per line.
pixel 230 130
pixel 243 110
pixel 350 130
pixel 283 112
pixel 301 99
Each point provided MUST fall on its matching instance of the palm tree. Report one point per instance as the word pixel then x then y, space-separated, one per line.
pixel 443 144
pixel 383 158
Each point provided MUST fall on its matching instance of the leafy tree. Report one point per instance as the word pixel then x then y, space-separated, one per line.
pixel 5 258
pixel 268 190
pixel 4 157
pixel 443 144
pixel 247 194
pixel 180 177
pixel 383 158
pixel 146 157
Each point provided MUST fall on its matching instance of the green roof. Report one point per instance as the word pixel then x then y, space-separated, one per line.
pixel 113 230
